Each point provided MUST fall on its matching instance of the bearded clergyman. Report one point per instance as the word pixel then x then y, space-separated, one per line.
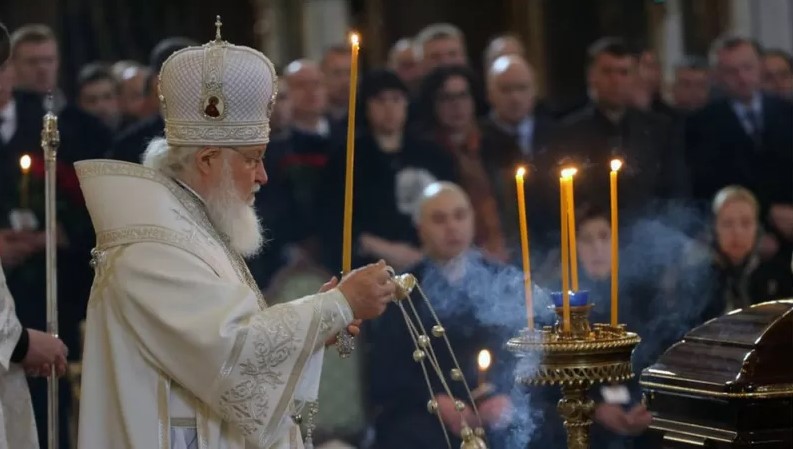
pixel 181 349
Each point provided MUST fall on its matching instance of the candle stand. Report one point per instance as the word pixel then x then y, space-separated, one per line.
pixel 576 360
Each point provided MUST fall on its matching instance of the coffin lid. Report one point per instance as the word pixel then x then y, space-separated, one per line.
pixel 746 353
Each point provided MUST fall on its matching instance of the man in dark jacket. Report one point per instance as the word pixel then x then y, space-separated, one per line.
pixel 609 127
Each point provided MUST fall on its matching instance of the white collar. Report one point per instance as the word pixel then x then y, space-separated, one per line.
pixel 322 128
pixel 524 126
pixel 756 105
pixel 9 112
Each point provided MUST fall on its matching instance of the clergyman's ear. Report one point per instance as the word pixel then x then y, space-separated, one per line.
pixel 205 157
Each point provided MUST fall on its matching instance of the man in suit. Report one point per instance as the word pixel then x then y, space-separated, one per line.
pixel 610 127
pixel 513 134
pixel 745 138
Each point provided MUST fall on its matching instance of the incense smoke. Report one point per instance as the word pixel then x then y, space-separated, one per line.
pixel 662 292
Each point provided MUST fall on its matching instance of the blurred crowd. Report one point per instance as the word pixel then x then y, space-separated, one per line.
pixel 706 199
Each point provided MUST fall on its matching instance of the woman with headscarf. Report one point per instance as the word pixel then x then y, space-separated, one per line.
pixel 736 273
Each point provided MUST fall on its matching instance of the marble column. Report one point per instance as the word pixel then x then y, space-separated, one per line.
pixel 325 23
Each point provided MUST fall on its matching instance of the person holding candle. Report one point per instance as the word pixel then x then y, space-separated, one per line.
pixel 478 301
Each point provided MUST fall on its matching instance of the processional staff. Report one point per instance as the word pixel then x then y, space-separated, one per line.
pixel 50 141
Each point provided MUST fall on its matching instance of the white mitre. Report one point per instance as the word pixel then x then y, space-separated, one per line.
pixel 217 94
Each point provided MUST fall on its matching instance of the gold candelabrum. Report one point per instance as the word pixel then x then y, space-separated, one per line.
pixel 50 141
pixel 584 356
pixel 425 354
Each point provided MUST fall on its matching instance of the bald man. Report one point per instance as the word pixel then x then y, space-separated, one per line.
pixel 513 134
pixel 511 91
pixel 306 84
pixel 503 45
pixel 402 61
pixel 444 220
pixel 474 299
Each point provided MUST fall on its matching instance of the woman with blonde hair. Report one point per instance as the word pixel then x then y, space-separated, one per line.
pixel 733 273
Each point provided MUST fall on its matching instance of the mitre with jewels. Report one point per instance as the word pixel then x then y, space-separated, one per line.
pixel 218 94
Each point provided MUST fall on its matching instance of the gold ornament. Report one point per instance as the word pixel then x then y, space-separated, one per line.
pixel 576 360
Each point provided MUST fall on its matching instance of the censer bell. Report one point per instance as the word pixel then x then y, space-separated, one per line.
pixel 471 440
pixel 405 283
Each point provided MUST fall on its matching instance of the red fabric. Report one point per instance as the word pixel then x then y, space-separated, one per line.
pixel 67 183
pixel 311 160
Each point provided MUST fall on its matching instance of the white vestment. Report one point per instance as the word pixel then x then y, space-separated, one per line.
pixel 179 342
pixel 17 425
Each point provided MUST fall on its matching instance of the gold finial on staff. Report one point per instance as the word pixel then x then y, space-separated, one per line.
pixel 50 141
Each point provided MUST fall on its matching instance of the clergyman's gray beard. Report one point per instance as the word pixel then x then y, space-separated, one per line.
pixel 235 218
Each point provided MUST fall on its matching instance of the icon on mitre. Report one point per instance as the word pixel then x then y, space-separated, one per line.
pixel 213 107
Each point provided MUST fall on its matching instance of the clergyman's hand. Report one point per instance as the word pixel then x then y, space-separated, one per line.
pixel 368 290
pixel 44 352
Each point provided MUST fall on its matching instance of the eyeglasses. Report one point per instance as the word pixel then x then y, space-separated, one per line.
pixel 450 97
pixel 251 161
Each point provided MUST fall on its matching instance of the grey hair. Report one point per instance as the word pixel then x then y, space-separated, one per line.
pixel 433 191
pixel 433 32
pixel 172 161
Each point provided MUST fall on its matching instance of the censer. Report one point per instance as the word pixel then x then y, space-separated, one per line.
pixel 425 354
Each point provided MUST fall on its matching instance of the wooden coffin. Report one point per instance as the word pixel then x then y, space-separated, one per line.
pixel 727 384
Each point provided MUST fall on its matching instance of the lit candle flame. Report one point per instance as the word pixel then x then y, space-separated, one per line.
pixel 616 164
pixel 484 360
pixel 521 172
pixel 569 172
pixel 355 39
pixel 24 163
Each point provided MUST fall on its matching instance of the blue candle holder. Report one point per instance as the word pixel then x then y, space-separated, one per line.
pixel 577 299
